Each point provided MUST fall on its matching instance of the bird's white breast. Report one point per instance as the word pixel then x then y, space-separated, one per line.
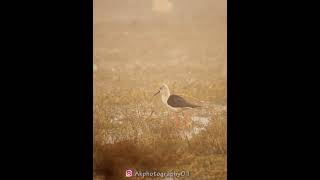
pixel 164 99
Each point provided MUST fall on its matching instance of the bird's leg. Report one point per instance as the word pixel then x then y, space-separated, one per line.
pixel 189 118
pixel 169 115
pixel 177 121
pixel 173 115
pixel 184 119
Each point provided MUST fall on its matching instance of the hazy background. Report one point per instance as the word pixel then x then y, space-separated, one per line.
pixel 173 11
pixel 139 44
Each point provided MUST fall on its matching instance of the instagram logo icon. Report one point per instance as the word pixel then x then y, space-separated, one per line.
pixel 128 173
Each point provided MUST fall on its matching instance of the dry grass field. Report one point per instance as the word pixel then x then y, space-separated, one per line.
pixel 133 129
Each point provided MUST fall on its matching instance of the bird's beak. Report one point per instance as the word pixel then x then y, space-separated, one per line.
pixel 156 93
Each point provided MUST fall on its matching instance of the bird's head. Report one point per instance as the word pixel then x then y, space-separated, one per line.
pixel 164 89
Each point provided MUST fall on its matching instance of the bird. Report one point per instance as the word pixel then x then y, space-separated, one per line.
pixel 174 102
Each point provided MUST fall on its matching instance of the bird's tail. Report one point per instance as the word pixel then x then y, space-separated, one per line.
pixel 201 107
pixel 195 106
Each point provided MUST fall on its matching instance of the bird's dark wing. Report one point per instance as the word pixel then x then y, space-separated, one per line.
pixel 177 101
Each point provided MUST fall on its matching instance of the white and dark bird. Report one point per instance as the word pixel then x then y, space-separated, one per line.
pixel 174 102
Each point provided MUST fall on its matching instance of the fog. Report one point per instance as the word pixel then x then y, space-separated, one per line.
pixel 138 45
pixel 168 11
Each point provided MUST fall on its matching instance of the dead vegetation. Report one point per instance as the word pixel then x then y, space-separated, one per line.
pixel 130 64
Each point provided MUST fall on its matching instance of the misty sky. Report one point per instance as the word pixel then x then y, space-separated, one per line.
pixel 205 11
